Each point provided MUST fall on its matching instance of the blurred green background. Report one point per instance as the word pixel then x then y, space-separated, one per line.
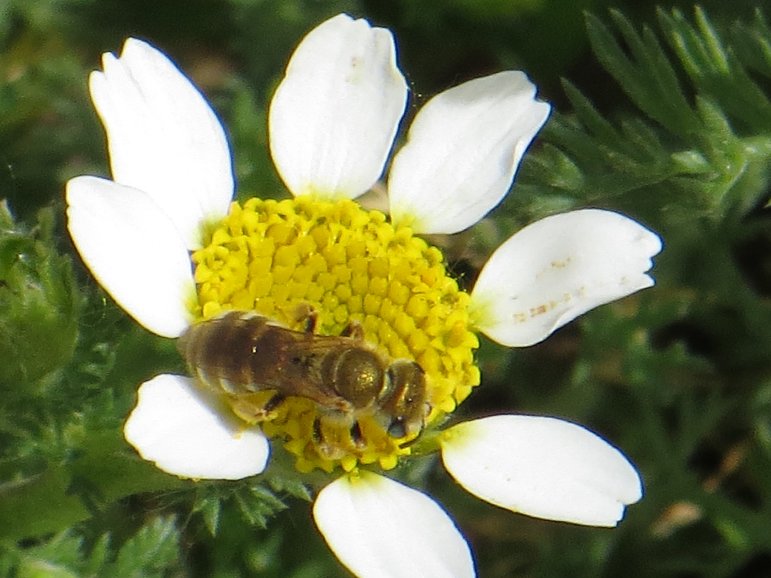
pixel 661 111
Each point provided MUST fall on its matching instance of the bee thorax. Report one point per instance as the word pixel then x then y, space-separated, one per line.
pixel 357 375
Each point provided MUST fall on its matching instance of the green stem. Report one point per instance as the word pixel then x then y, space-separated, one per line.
pixel 65 494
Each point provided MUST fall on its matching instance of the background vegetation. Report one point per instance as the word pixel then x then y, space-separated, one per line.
pixel 661 112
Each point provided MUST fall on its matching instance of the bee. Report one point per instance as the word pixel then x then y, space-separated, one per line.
pixel 243 353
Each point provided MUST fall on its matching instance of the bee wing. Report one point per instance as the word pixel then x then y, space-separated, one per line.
pixel 302 369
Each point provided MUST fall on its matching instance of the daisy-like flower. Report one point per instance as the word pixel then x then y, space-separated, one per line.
pixel 165 239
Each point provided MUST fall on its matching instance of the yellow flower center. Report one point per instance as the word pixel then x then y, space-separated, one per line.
pixel 350 267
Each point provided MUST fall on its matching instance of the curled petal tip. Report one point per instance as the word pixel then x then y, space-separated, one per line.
pixel 333 117
pixel 163 137
pixel 558 268
pixel 462 152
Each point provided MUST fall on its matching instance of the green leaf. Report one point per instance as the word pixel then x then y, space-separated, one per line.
pixel 698 143
pixel 643 71
pixel 209 507
pixel 716 70
pixel 152 550
pixel 258 504
pixel 38 302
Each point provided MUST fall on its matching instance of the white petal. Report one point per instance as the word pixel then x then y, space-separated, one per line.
pixel 462 152
pixel 380 528
pixel 187 432
pixel 557 268
pixel 542 467
pixel 163 137
pixel 133 250
pixel 334 116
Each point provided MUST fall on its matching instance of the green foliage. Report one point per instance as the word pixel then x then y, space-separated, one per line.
pixel 153 551
pixel 38 299
pixel 38 133
pixel 256 503
pixel 699 145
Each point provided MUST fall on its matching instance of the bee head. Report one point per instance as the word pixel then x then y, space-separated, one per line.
pixel 405 398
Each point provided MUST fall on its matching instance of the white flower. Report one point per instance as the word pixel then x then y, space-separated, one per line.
pixel 333 120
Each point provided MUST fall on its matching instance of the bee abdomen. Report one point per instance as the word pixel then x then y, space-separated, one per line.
pixel 217 351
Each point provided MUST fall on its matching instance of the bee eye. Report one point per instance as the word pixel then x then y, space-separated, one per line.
pixel 397 428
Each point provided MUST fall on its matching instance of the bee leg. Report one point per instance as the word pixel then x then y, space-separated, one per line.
pixel 330 439
pixel 356 436
pixel 255 408
pixel 354 330
pixel 318 436
pixel 309 316
pixel 274 402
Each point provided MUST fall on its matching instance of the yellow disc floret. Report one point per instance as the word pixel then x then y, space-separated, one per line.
pixel 348 265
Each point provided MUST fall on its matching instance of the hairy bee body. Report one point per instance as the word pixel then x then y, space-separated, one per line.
pixel 241 353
